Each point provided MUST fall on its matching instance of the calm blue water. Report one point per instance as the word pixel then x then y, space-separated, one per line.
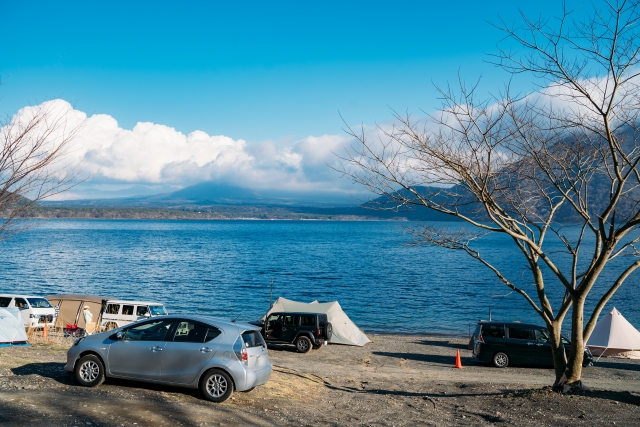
pixel 224 268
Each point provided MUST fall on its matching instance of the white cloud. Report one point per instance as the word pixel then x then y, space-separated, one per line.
pixel 157 155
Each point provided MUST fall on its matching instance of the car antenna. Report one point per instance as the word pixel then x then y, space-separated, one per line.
pixel 234 320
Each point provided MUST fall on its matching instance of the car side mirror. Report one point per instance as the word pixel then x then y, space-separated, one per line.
pixel 147 314
pixel 119 335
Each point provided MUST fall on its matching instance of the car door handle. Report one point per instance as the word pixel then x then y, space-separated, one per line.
pixel 206 350
pixel 530 343
pixel 156 348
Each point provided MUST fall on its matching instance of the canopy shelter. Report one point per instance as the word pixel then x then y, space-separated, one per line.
pixel 344 330
pixel 614 336
pixel 12 330
pixel 69 309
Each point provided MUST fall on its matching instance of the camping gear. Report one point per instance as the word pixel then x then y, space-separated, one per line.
pixel 12 330
pixel 69 308
pixel 614 336
pixel 344 330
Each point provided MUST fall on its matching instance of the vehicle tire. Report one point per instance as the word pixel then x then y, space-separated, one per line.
pixel 329 329
pixel 500 360
pixel 216 386
pixel 316 347
pixel 303 344
pixel 89 371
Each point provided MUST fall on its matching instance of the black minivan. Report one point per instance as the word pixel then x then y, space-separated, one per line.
pixel 504 343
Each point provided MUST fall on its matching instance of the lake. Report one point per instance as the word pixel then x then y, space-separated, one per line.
pixel 224 268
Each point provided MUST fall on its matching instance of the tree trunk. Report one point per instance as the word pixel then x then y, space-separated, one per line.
pixel 576 355
pixel 557 350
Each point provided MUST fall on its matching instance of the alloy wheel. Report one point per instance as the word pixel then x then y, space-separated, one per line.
pixel 89 371
pixel 217 385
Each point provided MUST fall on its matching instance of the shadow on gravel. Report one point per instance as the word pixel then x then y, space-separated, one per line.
pixel 429 358
pixel 443 344
pixel 144 386
pixel 618 365
pixel 282 347
pixel 52 370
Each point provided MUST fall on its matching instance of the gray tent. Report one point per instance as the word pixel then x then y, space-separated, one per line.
pixel 11 328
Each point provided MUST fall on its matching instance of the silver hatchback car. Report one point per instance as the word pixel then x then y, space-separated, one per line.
pixel 214 355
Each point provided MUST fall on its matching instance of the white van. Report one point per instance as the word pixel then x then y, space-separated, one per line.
pixel 119 313
pixel 35 311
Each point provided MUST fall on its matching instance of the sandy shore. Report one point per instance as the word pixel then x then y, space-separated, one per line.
pixel 394 381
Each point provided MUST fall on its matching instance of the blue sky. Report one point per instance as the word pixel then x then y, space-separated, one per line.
pixel 269 73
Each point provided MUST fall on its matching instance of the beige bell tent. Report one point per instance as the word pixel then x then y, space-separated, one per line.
pixel 69 310
pixel 344 330
pixel 614 336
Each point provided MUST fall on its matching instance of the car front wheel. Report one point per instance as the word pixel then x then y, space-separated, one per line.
pixel 89 371
pixel 303 345
pixel 216 386
pixel 500 360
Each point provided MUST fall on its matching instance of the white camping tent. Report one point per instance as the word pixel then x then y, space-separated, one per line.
pixel 11 327
pixel 614 336
pixel 344 330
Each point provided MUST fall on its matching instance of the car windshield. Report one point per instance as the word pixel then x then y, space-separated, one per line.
pixel 157 310
pixel 39 303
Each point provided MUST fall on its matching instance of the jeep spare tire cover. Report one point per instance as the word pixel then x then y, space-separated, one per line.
pixel 329 330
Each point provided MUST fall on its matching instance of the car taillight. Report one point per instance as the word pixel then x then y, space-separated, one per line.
pixel 480 340
pixel 319 332
pixel 245 356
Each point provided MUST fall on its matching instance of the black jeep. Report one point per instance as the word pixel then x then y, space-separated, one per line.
pixel 305 330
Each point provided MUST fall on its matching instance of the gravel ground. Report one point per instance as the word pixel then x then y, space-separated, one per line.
pixel 394 381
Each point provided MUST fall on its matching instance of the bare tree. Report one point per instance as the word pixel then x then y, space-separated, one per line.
pixel 527 167
pixel 34 161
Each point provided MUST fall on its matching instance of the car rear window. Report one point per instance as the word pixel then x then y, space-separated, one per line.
pixel 252 339
pixel 494 331
pixel 307 321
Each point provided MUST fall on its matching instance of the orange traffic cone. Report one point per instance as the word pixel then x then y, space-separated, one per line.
pixel 458 361
pixel 45 331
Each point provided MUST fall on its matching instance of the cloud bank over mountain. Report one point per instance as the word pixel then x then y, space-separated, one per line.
pixel 153 158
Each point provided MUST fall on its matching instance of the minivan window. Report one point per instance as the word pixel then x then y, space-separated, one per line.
pixel 21 303
pixel 4 301
pixel 127 310
pixel 112 308
pixel 520 333
pixel 39 303
pixel 141 310
pixel 494 331
pixel 252 339
pixel 157 310
pixel 307 321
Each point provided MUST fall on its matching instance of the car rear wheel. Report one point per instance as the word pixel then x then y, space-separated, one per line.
pixel 89 371
pixel 216 386
pixel 500 360
pixel 303 344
